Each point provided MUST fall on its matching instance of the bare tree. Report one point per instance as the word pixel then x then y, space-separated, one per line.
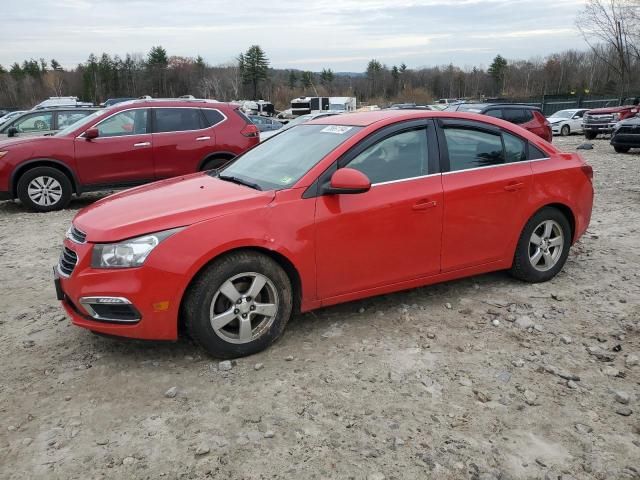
pixel 608 26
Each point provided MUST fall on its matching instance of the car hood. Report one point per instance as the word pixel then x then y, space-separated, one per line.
pixel 601 111
pixel 166 204
pixel 556 119
pixel 15 141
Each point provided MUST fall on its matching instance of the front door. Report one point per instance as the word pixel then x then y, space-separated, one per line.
pixel 121 154
pixel 390 234
pixel 485 193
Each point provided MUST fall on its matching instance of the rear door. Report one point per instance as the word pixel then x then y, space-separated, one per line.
pixel 486 187
pixel 121 154
pixel 182 139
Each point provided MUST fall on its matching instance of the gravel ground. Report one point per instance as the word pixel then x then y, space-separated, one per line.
pixel 483 378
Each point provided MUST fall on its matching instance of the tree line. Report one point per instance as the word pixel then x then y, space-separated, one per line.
pixel 610 66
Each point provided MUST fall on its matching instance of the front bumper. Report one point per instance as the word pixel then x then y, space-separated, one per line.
pixel 626 140
pixel 598 127
pixel 152 298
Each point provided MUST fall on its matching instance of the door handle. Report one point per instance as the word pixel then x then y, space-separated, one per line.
pixel 424 204
pixel 514 187
pixel 202 139
pixel 142 144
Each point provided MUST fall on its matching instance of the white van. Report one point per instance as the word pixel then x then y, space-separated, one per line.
pixel 62 102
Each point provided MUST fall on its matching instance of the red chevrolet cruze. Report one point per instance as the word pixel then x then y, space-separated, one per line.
pixel 131 143
pixel 329 211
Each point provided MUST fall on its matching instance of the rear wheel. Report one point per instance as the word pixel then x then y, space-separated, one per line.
pixel 543 246
pixel 239 305
pixel 215 163
pixel 590 135
pixel 565 130
pixel 621 149
pixel 43 189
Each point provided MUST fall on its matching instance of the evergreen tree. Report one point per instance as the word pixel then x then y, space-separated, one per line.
pixel 254 67
pixel 498 70
pixel 306 79
pixel 293 79
pixel 55 66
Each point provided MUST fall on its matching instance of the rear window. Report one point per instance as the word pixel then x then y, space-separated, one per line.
pixel 212 117
pixel 517 115
pixel 243 116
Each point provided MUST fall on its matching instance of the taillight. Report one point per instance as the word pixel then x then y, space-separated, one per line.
pixel 250 130
pixel 588 171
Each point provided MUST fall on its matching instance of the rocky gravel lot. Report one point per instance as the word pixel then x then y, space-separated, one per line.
pixel 484 378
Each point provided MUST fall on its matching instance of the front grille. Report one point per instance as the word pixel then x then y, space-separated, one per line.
pixel 75 235
pixel 68 260
pixel 605 118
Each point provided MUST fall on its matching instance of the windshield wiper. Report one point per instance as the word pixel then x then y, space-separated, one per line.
pixel 231 178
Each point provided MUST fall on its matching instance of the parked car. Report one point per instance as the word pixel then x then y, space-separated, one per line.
pixel 265 124
pixel 113 101
pixel 9 115
pixel 626 135
pixel 333 210
pixel 46 121
pixel 526 116
pixel 409 106
pixel 61 102
pixel 566 122
pixel 602 120
pixel 297 121
pixel 127 144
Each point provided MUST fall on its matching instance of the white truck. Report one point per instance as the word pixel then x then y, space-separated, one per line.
pixel 258 107
pixel 306 105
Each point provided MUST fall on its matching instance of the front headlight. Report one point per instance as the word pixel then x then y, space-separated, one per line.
pixel 129 253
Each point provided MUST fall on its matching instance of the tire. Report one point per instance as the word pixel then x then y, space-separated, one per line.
pixel 531 263
pixel 40 125
pixel 231 278
pixel 621 149
pixel 590 135
pixel 44 189
pixel 215 163
pixel 565 131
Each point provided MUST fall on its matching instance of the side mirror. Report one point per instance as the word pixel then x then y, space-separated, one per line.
pixel 12 132
pixel 91 133
pixel 347 181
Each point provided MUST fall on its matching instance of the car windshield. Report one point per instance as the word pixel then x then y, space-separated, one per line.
pixel 85 120
pixel 564 114
pixel 280 162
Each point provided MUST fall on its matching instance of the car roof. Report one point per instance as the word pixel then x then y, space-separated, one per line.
pixel 171 102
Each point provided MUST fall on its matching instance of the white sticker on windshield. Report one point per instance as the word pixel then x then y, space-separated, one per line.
pixel 339 129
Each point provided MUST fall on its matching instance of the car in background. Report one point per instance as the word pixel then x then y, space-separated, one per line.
pixel 297 121
pixel 626 135
pixel 41 122
pixel 124 145
pixel 408 106
pixel 602 120
pixel 9 115
pixel 527 116
pixel 337 209
pixel 62 102
pixel 566 122
pixel 265 124
pixel 110 102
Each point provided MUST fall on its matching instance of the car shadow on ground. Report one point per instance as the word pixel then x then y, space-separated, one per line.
pixel 76 203
pixel 311 325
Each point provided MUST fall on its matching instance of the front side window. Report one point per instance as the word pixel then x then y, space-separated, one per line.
pixel 285 158
pixel 177 119
pixel 400 156
pixel 34 123
pixel 129 122
pixel 470 148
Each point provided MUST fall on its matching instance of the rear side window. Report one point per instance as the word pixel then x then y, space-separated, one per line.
pixel 34 122
pixel 177 119
pixel 494 112
pixel 68 118
pixel 535 153
pixel 469 148
pixel 515 150
pixel 212 117
pixel 517 115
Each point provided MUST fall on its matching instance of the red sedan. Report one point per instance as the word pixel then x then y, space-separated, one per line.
pixel 333 210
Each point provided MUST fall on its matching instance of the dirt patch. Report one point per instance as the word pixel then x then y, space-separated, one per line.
pixel 399 386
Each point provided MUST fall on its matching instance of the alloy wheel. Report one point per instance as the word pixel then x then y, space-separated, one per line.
pixel 244 307
pixel 44 191
pixel 546 245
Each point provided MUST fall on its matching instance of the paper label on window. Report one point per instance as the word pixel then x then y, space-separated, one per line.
pixel 339 129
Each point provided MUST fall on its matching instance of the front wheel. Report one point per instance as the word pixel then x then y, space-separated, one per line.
pixel 543 246
pixel 590 135
pixel 239 305
pixel 215 164
pixel 43 189
pixel 619 149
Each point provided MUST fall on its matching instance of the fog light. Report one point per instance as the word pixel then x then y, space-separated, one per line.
pixel 110 309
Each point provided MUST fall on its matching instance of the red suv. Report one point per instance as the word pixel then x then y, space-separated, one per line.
pixel 527 116
pixel 131 143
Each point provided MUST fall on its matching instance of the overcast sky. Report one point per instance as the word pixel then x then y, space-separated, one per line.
pixel 338 34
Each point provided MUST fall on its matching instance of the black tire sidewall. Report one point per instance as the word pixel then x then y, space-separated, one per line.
pixel 522 267
pixel 29 175
pixel 201 293
pixel 590 135
pixel 215 163
pixel 622 149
